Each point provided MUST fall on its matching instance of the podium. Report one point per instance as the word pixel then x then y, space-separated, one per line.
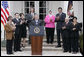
pixel 36 34
pixel 36 45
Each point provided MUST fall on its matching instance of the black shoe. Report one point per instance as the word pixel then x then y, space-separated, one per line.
pixel 9 53
pixel 69 51
pixel 23 46
pixel 20 50
pixel 15 50
pixel 58 46
pixel 47 42
pixel 65 51
pixel 51 42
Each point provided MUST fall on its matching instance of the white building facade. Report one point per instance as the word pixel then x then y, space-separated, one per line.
pixel 42 8
pixel 23 7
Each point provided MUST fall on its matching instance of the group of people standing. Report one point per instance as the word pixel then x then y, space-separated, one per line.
pixel 16 30
pixel 66 28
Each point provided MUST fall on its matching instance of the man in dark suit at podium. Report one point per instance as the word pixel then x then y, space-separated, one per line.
pixel 36 34
pixel 36 21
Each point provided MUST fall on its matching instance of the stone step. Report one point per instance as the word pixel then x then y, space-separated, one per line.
pixel 44 53
pixel 28 48
pixel 46 47
pixel 44 37
pixel 55 40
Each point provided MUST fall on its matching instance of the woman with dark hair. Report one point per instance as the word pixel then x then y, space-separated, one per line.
pixel 75 28
pixel 23 29
pixel 9 28
pixel 29 17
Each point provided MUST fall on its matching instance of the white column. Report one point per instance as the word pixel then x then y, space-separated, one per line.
pixel 2 32
pixel 78 10
pixel 23 7
pixel 37 7
pixel 65 7
pixel 9 7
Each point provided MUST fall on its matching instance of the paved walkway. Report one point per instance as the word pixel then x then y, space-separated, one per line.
pixel 45 53
pixel 48 50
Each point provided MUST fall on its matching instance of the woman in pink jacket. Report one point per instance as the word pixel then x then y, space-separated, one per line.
pixel 50 27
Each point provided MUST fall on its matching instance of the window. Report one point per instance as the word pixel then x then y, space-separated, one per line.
pixel 28 4
pixel 42 9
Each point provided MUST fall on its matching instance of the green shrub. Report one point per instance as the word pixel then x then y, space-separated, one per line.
pixel 81 42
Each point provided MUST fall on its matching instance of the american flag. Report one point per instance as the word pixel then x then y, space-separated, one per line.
pixel 4 12
pixel 70 5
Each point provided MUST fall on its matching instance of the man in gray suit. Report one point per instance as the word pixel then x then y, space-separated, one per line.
pixel 36 21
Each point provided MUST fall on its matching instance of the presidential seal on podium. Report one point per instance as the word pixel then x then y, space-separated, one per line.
pixel 36 30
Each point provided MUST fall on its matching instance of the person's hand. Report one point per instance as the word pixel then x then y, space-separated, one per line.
pixel 50 20
pixel 74 28
pixel 64 27
pixel 26 21
pixel 21 22
pixel 15 24
pixel 57 18
pixel 14 28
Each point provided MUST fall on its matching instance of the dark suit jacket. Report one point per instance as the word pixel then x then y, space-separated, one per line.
pixel 75 33
pixel 18 26
pixel 60 21
pixel 66 32
pixel 40 23
pixel 28 18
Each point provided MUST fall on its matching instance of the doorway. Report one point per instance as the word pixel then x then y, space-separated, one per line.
pixel 39 6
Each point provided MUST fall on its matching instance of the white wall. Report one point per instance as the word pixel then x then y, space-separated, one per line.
pixel 2 32
pixel 53 5
pixel 16 6
pixel 78 11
